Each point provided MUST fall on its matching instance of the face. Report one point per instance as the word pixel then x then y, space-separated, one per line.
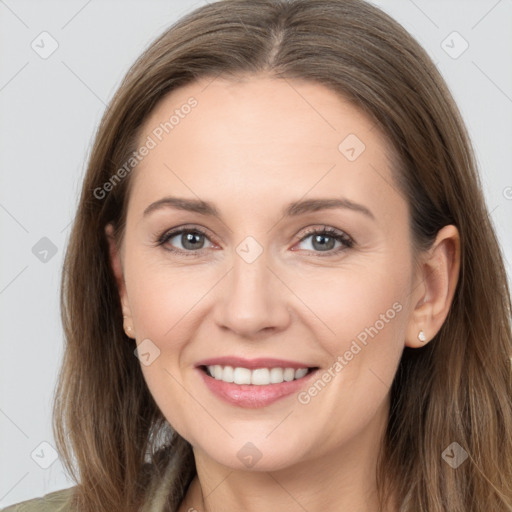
pixel 265 238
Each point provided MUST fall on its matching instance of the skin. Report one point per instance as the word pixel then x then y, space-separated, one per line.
pixel 251 146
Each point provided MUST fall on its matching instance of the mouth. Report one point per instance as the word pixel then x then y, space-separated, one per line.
pixel 254 383
pixel 257 377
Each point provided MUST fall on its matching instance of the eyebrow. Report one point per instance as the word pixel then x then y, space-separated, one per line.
pixel 293 209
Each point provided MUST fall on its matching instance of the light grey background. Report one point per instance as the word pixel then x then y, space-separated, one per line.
pixel 50 109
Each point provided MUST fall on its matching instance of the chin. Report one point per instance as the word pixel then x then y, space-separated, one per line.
pixel 255 456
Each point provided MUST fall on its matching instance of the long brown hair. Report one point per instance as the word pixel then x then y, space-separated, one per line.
pixel 458 388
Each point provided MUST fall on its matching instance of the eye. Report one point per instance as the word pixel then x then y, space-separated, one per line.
pixel 184 240
pixel 327 240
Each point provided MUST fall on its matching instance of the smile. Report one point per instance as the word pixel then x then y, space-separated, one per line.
pixel 257 377
pixel 254 383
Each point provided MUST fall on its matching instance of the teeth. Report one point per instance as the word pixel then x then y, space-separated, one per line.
pixel 227 374
pixel 258 377
pixel 301 372
pixel 217 371
pixel 288 374
pixel 241 376
pixel 276 375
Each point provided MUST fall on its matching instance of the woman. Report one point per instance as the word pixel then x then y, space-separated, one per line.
pixel 282 219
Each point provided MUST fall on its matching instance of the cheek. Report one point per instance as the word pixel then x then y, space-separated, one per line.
pixel 360 321
pixel 163 301
pixel 161 296
pixel 361 302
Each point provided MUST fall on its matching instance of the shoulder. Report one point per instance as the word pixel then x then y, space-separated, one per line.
pixel 58 501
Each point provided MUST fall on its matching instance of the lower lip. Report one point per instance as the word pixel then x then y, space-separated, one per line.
pixel 251 396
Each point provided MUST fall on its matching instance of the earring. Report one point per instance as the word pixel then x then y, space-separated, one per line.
pixel 421 336
pixel 127 328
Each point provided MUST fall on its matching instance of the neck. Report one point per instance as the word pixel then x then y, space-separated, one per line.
pixel 343 479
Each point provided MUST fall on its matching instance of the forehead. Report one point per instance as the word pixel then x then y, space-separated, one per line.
pixel 257 136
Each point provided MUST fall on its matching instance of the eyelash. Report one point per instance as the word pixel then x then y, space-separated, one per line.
pixel 339 236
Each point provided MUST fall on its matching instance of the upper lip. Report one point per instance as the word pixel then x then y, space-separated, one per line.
pixel 261 362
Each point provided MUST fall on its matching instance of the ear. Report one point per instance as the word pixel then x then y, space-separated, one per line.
pixel 117 269
pixel 436 280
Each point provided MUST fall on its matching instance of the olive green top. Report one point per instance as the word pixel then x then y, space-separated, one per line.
pixel 57 501
pixel 161 492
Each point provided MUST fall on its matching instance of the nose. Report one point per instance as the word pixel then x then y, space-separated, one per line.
pixel 252 300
